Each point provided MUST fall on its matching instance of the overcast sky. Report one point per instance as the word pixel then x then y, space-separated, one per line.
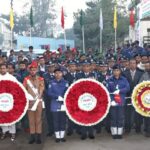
pixel 70 6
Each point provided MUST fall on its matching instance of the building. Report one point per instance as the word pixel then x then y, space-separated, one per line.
pixel 141 31
pixel 24 42
pixel 5 32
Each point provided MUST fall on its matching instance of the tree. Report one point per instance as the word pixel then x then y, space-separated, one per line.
pixel 1 39
pixel 43 19
pixel 91 20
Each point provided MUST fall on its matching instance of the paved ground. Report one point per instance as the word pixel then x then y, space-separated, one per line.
pixel 103 141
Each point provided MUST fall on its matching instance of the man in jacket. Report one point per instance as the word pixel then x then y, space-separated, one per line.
pixel 133 76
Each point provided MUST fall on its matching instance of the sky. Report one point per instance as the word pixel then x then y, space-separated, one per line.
pixel 70 6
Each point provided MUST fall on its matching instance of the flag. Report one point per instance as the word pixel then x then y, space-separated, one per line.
pixel 31 17
pixel 81 18
pixel 11 19
pixel 115 17
pixel 101 20
pixel 132 18
pixel 62 18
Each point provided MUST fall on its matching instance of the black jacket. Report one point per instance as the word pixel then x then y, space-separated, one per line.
pixel 133 82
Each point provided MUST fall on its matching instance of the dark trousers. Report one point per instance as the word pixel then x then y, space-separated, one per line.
pixel 117 116
pixel 49 116
pixel 71 126
pixel 59 120
pixel 25 122
pixel 87 130
pixel 138 122
pixel 107 122
pixel 147 124
pixel 98 127
pixel 129 117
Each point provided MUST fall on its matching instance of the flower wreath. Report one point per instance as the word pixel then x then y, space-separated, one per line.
pixel 87 102
pixel 13 101
pixel 141 98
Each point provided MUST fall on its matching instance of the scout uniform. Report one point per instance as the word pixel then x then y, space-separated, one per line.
pixel 35 87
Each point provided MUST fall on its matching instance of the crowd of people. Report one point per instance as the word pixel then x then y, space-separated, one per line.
pixel 47 77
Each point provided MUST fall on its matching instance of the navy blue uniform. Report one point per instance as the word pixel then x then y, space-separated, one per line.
pixel 117 112
pixel 48 78
pixel 56 89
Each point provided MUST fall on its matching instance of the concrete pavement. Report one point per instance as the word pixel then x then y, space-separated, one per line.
pixel 103 141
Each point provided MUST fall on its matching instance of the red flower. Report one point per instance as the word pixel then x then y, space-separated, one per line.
pixel 20 102
pixel 139 98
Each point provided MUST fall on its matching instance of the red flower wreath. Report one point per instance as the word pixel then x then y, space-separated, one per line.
pixel 12 88
pixel 87 102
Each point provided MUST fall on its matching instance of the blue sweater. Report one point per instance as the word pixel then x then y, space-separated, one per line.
pixel 123 87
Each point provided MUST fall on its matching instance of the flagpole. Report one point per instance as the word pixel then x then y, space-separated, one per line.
pixel 11 38
pixel 30 36
pixel 101 30
pixel 65 39
pixel 115 27
pixel 116 41
pixel 101 51
pixel 31 25
pixel 11 22
pixel 83 36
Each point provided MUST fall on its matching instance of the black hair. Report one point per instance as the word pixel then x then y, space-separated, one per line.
pixel 58 69
pixel 22 62
pixel 30 47
pixel 4 64
pixel 10 64
pixel 132 59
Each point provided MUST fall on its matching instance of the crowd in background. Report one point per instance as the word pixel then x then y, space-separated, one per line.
pixel 125 68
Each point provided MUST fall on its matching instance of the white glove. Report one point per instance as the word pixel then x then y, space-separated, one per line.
pixel 43 105
pixel 113 103
pixel 60 99
pixel 117 92
pixel 63 108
